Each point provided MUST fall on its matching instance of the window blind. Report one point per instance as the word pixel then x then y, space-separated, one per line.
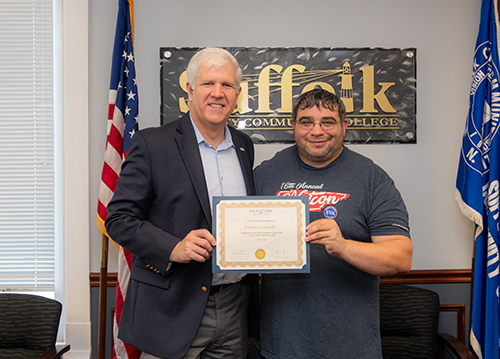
pixel 27 205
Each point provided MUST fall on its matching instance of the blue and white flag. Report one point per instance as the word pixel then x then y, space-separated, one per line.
pixel 478 184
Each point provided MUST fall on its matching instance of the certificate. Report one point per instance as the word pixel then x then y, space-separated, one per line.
pixel 263 234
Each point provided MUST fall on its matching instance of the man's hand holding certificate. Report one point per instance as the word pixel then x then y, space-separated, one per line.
pixel 260 234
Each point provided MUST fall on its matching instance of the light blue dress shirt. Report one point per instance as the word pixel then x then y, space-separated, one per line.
pixel 224 177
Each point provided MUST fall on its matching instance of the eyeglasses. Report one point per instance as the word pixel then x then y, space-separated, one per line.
pixel 309 125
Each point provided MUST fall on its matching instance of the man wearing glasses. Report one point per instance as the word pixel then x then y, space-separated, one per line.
pixel 359 231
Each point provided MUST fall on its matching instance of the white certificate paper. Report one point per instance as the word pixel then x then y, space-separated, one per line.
pixel 260 234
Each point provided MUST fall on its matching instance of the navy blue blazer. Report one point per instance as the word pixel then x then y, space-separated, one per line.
pixel 161 196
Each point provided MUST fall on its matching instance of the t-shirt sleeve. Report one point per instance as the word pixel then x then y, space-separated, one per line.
pixel 388 214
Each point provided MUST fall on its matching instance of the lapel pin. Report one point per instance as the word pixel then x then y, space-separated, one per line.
pixel 242 149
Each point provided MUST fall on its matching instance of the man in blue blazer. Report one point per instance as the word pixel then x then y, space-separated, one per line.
pixel 161 213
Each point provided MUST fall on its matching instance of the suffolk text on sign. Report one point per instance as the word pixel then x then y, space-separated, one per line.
pixel 377 86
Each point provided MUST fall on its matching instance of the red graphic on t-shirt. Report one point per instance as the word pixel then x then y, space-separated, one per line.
pixel 317 200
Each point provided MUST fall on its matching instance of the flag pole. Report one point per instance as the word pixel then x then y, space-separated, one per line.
pixel 473 263
pixel 103 289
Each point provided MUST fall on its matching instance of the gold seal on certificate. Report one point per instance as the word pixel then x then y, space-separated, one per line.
pixel 260 253
pixel 260 234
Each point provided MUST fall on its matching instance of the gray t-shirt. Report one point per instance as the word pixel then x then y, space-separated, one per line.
pixel 333 311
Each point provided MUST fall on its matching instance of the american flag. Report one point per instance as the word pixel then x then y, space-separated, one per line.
pixel 122 125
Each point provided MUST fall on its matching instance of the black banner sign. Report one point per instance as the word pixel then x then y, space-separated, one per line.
pixel 377 86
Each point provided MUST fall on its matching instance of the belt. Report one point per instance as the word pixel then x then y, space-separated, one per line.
pixel 216 289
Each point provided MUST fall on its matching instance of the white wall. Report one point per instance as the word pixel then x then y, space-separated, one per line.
pixel 75 121
pixel 443 31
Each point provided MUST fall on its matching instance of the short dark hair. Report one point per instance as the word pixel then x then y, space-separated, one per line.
pixel 319 97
